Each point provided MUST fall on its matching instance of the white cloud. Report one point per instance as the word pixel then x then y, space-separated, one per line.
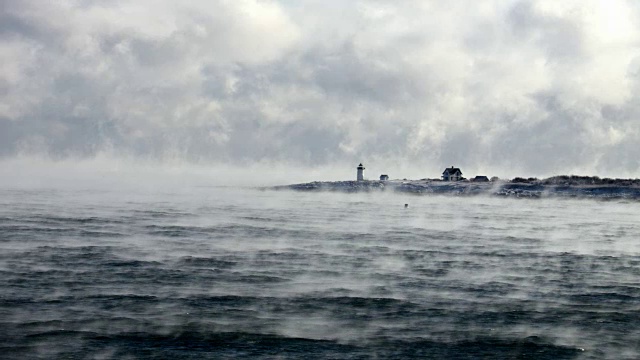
pixel 499 87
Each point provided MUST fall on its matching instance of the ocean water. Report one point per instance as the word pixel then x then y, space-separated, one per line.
pixel 201 272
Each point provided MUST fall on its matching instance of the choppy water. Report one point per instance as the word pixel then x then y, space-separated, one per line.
pixel 206 272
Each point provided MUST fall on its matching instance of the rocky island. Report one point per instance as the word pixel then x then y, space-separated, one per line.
pixel 564 186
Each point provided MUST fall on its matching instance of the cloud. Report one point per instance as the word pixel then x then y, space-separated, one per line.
pixel 498 87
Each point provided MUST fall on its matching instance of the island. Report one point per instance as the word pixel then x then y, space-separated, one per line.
pixel 452 183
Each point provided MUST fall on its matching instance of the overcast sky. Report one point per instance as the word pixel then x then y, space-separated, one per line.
pixel 530 88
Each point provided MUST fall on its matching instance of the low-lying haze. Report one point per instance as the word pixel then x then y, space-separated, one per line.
pixel 508 88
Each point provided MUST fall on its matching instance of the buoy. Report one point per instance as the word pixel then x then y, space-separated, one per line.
pixel 406 206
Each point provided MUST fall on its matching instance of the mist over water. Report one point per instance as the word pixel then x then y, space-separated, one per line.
pixel 200 271
pixel 133 135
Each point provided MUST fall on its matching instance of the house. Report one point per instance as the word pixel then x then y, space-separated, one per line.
pixel 480 178
pixel 452 174
pixel 384 177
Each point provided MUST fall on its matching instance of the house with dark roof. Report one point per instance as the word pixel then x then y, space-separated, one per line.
pixel 480 178
pixel 384 177
pixel 452 174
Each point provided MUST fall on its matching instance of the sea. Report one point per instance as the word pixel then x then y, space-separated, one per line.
pixel 205 272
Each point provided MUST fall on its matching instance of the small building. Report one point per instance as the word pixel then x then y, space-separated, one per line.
pixel 360 174
pixel 480 178
pixel 452 174
pixel 384 177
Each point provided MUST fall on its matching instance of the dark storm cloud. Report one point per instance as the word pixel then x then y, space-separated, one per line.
pixel 535 87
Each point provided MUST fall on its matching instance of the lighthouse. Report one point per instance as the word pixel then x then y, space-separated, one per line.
pixel 360 171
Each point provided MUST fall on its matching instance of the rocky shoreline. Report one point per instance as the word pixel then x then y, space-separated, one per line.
pixel 518 188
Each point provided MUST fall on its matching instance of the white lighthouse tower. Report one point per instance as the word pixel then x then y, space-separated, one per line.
pixel 360 171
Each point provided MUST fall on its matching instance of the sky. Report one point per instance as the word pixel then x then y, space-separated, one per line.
pixel 505 87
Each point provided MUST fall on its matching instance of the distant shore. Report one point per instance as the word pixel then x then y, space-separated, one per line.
pixel 564 186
